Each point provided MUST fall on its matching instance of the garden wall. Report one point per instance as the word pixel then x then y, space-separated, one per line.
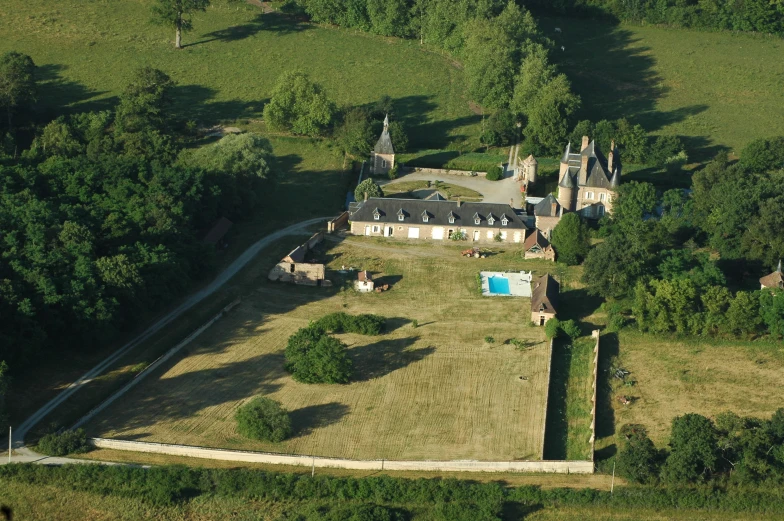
pixel 558 467
pixel 441 171
pixel 595 334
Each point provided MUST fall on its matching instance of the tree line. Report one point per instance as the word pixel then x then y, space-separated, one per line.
pixel 764 16
pixel 689 263
pixel 103 214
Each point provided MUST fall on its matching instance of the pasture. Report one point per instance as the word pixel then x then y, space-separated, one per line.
pixel 435 391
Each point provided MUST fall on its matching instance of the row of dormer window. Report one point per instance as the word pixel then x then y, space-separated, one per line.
pixel 401 216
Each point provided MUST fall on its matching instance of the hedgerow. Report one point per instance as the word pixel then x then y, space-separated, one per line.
pixel 344 323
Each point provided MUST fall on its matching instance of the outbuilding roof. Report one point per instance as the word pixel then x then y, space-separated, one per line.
pixel 544 296
pixel 438 212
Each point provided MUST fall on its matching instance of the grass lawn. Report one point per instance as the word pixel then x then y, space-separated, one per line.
pixel 456 160
pixel 714 89
pixel 88 50
pixel 674 377
pixel 404 188
pixel 440 384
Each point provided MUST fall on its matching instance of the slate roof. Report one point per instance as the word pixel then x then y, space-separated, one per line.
pixel 535 238
pixel 218 231
pixel 545 207
pixel 598 175
pixel 384 143
pixel 774 280
pixel 544 296
pixel 438 213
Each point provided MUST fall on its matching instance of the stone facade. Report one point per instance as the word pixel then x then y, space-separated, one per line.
pixel 434 232
pixel 382 158
pixel 536 246
pixel 544 300
pixel 587 180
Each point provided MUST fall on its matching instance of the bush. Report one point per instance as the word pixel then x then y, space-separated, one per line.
pixel 367 186
pixel 313 356
pixel 458 236
pixel 344 323
pixel 494 173
pixel 64 443
pixel 489 339
pixel 498 237
pixel 392 174
pixel 552 327
pixel 570 329
pixel 263 419
pixel 638 458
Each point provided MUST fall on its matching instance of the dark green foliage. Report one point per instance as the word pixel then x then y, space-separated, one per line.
pixel 763 155
pixel 263 419
pixel 4 382
pixel 494 173
pixel 17 86
pixel 397 133
pixel 466 512
pixel 175 14
pixel 355 135
pixel 499 129
pixel 613 266
pixel 344 323
pixel 637 458
pixel 570 239
pixel 570 328
pixel 367 187
pixel 664 148
pixel 313 356
pixel 694 450
pixel 344 512
pixel 65 443
pixel 299 106
pixel 771 305
pixel 552 327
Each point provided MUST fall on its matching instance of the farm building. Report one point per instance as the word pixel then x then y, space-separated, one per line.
pixel 438 220
pixel 293 268
pixel 536 246
pixel 544 300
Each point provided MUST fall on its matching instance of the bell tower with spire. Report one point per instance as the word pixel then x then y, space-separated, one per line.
pixel 382 158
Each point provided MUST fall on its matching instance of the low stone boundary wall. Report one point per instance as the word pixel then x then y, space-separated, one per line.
pixel 558 467
pixel 441 171
pixel 594 334
pixel 337 223
pixel 139 377
pixel 547 395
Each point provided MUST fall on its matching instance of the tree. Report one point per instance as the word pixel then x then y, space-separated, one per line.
pixel 633 141
pixel 176 14
pixel 570 329
pixel 771 305
pixel 612 267
pixel 694 450
pixel 388 17
pixel 17 83
pixel 4 379
pixel 355 135
pixel 552 327
pixel 570 239
pixel 637 458
pixel 313 356
pixel 764 154
pixel 743 313
pixel 263 419
pixel 494 173
pixel 145 101
pixel 397 133
pixel 298 105
pixel 367 187
pixel 499 129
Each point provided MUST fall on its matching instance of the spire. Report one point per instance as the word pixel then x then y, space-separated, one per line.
pixel 778 270
pixel 386 122
pixel 567 151
pixel 615 180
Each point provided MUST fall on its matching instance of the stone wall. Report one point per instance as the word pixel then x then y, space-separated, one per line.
pixel 441 171
pixel 425 231
pixel 558 467
pixel 337 223
pixel 594 334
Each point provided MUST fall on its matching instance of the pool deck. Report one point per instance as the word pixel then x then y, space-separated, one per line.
pixel 519 283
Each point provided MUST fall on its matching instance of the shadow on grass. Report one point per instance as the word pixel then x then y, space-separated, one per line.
pixel 271 22
pixel 395 323
pixel 557 424
pixel 385 356
pixel 605 415
pixel 307 419
pixel 61 95
pixel 194 102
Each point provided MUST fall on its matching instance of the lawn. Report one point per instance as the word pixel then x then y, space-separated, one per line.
pixel 717 90
pixel 86 52
pixel 404 188
pixel 455 159
pixel 440 383
pixel 674 377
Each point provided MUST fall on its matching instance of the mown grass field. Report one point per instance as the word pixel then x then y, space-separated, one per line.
pixel 716 90
pixel 440 383
pixel 231 60
pixel 35 502
pixel 404 188
pixel 674 377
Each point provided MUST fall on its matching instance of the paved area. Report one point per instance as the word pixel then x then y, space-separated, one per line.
pixel 519 283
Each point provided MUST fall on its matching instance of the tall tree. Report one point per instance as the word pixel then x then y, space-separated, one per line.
pixel 176 14
pixel 299 105
pixel 17 83
pixel 570 239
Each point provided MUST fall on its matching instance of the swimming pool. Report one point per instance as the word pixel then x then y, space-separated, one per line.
pixel 498 285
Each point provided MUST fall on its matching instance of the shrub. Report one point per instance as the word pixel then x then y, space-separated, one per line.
pixel 369 186
pixel 415 323
pixel 638 458
pixel 489 339
pixel 552 327
pixel 392 174
pixel 64 443
pixel 498 237
pixel 344 323
pixel 570 328
pixel 494 173
pixel 263 419
pixel 343 512
pixel 313 356
pixel 458 236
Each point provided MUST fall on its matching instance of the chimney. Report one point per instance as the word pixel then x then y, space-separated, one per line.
pixel 459 202
pixel 560 212
pixel 610 161
pixel 583 167
pixel 553 208
pixel 511 202
pixel 585 143
pixel 366 196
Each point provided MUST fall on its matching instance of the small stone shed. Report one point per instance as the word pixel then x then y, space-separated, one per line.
pixel 544 300
pixel 536 246
pixel 364 282
pixel 293 268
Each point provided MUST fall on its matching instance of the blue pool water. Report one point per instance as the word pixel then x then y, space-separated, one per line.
pixel 498 285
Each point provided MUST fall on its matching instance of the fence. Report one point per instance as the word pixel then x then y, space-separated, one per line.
pixel 337 223
pixel 594 334
pixel 557 467
pixel 139 377
pixel 441 171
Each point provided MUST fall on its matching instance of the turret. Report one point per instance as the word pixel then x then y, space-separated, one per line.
pixel 566 193
pixel 530 167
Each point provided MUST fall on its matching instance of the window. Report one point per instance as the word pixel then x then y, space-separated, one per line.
pixel 383 163
pixel 489 234
pixel 504 221
pixel 503 235
pixel 589 195
pixel 490 221
pixel 602 197
pixel 376 216
pixel 400 217
pixel 425 218
pixel 477 221
pixel 376 229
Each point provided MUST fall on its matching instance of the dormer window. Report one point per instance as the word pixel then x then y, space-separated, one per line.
pixel 504 221
pixel 376 214
pixel 451 218
pixel 477 219
pixel 490 220
pixel 401 215
pixel 425 216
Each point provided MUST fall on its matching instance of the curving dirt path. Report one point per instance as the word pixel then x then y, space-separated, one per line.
pixel 240 262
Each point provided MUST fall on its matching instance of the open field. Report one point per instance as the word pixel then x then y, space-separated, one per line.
pixel 231 60
pixel 439 383
pixel 404 188
pixel 707 377
pixel 715 90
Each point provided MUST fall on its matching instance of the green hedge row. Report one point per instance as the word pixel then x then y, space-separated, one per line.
pixel 344 323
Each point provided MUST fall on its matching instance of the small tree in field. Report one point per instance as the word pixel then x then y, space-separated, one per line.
pixel 299 106
pixel 638 458
pixel 17 83
pixel 313 356
pixel 175 13
pixel 263 419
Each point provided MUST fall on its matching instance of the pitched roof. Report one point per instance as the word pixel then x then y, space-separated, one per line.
pixel 774 280
pixel 545 207
pixel 544 296
pixel 218 231
pixel 363 276
pixel 384 143
pixel 597 174
pixel 534 239
pixel 438 212
pixel 436 196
